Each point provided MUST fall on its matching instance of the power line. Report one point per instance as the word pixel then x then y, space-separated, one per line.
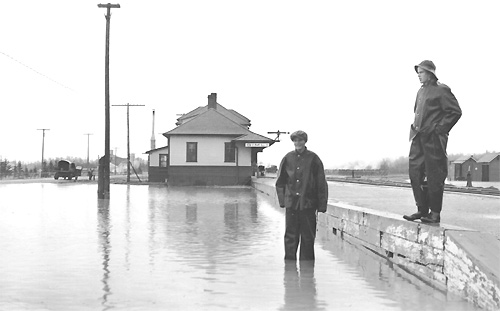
pixel 36 71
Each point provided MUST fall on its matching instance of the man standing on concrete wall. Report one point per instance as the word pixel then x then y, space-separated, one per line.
pixel 436 112
pixel 302 189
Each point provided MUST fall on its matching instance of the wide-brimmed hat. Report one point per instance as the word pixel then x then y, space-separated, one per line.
pixel 427 65
pixel 299 134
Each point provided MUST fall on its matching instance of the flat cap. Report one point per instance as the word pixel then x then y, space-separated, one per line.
pixel 299 134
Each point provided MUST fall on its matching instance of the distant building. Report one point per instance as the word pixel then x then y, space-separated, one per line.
pixel 157 164
pixel 461 166
pixel 211 145
pixel 489 167
pixel 486 168
pixel 118 165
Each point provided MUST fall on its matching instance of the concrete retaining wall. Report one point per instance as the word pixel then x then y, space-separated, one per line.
pixel 461 262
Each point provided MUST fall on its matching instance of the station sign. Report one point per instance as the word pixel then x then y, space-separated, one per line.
pixel 256 144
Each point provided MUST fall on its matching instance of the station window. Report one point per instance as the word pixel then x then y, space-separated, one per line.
pixel 191 152
pixel 163 160
pixel 229 152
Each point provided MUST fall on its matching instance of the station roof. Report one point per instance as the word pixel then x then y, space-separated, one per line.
pixel 229 113
pixel 210 122
pixel 252 137
pixel 156 149
pixel 213 122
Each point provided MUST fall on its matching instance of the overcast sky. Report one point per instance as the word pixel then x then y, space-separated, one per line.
pixel 340 70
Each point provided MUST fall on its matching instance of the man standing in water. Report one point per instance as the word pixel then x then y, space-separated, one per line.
pixel 436 112
pixel 302 189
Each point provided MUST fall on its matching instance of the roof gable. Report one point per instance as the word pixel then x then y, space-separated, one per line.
pixel 210 122
pixel 487 158
pixel 193 113
pixel 464 159
pixel 231 114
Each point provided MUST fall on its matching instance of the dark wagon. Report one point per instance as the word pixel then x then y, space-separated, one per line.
pixel 67 170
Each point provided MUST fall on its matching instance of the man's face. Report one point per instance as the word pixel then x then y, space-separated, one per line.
pixel 423 75
pixel 299 144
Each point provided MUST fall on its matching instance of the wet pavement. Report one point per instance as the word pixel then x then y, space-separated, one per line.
pixel 194 248
pixel 477 212
pixel 471 211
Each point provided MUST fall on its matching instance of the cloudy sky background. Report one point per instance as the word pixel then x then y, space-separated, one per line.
pixel 340 70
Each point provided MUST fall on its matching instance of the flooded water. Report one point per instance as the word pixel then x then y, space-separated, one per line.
pixel 158 248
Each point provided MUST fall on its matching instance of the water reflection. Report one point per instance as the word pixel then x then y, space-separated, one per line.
pixel 231 220
pixel 127 227
pixel 217 236
pixel 208 225
pixel 152 211
pixel 300 286
pixel 402 290
pixel 158 248
pixel 191 213
pixel 104 233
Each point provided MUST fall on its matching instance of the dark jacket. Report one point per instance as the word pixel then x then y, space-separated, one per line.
pixel 301 182
pixel 436 110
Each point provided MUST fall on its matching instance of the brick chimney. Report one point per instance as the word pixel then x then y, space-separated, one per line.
pixel 212 101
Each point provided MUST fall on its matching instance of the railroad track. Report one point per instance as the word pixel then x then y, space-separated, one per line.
pixel 474 190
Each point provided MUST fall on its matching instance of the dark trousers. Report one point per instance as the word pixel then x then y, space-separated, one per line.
pixel 300 227
pixel 428 168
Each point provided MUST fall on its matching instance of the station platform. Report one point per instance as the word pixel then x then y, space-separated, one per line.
pixel 460 256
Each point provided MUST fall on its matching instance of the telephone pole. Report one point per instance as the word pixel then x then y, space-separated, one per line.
pixel 278 132
pixel 88 144
pixel 103 186
pixel 43 148
pixel 114 158
pixel 128 138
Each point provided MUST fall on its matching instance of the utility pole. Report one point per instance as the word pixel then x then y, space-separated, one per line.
pixel 103 187
pixel 114 156
pixel 278 132
pixel 88 144
pixel 43 148
pixel 128 138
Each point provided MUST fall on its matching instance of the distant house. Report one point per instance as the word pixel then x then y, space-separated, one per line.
pixel 485 168
pixel 489 167
pixel 211 145
pixel 461 166
pixel 118 165
pixel 157 164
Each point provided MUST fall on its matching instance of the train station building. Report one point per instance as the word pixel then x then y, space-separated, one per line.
pixel 211 145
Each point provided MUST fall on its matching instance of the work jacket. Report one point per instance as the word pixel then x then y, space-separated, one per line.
pixel 436 110
pixel 301 182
